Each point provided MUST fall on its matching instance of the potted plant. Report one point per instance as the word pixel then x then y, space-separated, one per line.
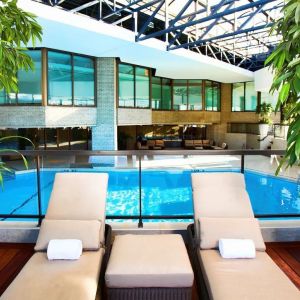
pixel 264 110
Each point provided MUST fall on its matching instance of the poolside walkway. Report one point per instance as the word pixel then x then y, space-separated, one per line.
pixel 14 256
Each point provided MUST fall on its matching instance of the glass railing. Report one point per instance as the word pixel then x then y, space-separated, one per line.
pixel 148 185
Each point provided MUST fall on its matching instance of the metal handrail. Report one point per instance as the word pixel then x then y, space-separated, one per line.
pixel 38 154
pixel 145 152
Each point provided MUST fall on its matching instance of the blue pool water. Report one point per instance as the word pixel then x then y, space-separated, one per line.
pixel 164 192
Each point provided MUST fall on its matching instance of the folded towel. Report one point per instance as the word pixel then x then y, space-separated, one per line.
pixel 237 248
pixel 64 249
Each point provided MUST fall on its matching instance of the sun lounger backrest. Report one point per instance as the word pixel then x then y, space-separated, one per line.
pixel 214 180
pixel 220 195
pixel 78 196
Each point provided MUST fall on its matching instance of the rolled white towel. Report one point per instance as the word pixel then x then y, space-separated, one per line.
pixel 237 248
pixel 64 249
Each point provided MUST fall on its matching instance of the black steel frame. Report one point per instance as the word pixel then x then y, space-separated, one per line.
pixel 38 154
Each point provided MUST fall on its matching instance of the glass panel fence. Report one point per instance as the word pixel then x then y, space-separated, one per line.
pixel 160 192
pixel 166 182
pixel 271 194
pixel 123 184
pixel 19 194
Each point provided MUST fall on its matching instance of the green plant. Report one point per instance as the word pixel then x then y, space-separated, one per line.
pixel 17 29
pixel 285 63
pixel 264 110
pixel 3 167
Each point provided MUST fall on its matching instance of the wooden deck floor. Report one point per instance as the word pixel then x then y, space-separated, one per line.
pixel 14 256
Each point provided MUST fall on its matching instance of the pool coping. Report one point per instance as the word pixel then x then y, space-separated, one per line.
pixel 272 231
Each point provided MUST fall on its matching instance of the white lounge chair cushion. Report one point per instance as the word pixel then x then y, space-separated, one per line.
pixel 88 231
pixel 60 279
pixel 234 279
pixel 149 261
pixel 218 179
pixel 79 196
pixel 221 202
pixel 214 229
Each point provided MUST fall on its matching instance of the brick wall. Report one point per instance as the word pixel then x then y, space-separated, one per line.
pixel 134 116
pixel 104 134
pixel 41 116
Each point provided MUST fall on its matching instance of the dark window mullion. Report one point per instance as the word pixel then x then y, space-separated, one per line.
pixel 72 78
pixel 187 95
pixel 134 86
pixel 244 103
pixel 150 88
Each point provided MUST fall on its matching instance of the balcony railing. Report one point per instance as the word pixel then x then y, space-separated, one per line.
pixel 140 167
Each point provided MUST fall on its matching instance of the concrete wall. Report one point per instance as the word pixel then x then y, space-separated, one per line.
pixel 104 135
pixel 184 117
pixel 134 116
pixel 263 79
pixel 50 116
pixel 236 140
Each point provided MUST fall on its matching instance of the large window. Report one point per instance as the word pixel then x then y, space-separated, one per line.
pixel 250 97
pixel 29 84
pixel 156 93
pixel 166 94
pixel 161 93
pixel 142 85
pixel 195 95
pixel 269 98
pixel 134 86
pixel 238 96
pixel 59 78
pixel 70 79
pixel 244 96
pixel 84 85
pixel 180 98
pixel 126 85
pixel 212 96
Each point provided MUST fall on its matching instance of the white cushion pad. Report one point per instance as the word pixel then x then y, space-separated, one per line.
pixel 149 261
pixel 248 279
pixel 57 280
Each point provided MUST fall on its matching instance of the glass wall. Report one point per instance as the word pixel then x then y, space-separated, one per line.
pixel 268 98
pixel 238 96
pixel 29 84
pixel 244 96
pixel 156 89
pixel 166 94
pixel 180 99
pixel 251 97
pixel 134 86
pixel 59 78
pixel 70 79
pixel 212 96
pixel 84 85
pixel 195 95
pixel 142 87
pixel 126 85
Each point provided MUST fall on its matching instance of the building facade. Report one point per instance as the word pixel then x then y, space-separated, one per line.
pixel 74 101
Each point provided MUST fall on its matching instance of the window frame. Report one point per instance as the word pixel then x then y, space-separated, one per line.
pixel 41 85
pixel 134 86
pixel 72 54
pixel 244 102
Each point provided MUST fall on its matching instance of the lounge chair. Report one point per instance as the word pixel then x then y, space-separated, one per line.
pixel 222 209
pixel 76 211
